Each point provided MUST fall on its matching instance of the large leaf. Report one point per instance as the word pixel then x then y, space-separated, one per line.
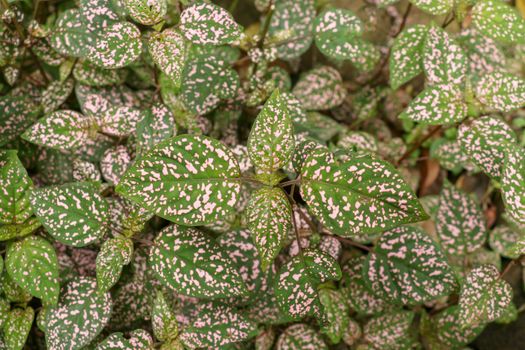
pixel 513 183
pixel 33 265
pixel 300 337
pixel 320 88
pixel 69 36
pixel 17 327
pixel 484 296
pixel 498 21
pixel 169 51
pixel 114 254
pixel 97 14
pixel 15 185
pixel 271 140
pixel 79 317
pixel 361 196
pixel 73 214
pixel 191 263
pixel 500 91
pixel 459 222
pixel 408 267
pixel 191 180
pixel 406 58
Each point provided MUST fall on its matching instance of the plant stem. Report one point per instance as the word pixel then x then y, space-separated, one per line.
pixel 352 243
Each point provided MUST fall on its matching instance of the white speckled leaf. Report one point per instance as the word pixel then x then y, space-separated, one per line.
pixel 169 51
pixel 485 141
pixel 484 54
pixel 18 113
pixel 484 296
pixel 163 319
pixel 190 180
pixel 209 24
pixel 217 325
pixel 56 93
pixel 499 21
pixel 138 339
pixel 320 88
pixel 114 163
pixel 356 141
pixel 15 185
pixel 87 73
pixel 336 313
pixel 269 216
pixel 506 241
pixel 361 196
pixel 33 265
pixel 97 14
pixel 459 222
pixel 114 254
pixel 387 330
pixel 79 317
pixel 500 91
pixel 296 286
pixel 16 327
pixel 444 61
pixel 513 183
pixel 300 337
pixel 147 12
pixel 434 7
pixel 191 263
pixel 158 124
pixel 408 267
pixel 69 36
pixel 438 104
pixel 406 58
pixel 62 130
pixel 73 214
pixel 271 140
pixel 119 120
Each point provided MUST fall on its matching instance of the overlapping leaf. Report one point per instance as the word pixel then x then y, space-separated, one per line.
pixel 320 88
pixel 406 58
pixel 500 91
pixel 300 337
pixel 139 339
pixel 498 21
pixel 163 319
pixel 17 326
pixel 15 185
pixel 69 36
pixel 513 183
pixel 18 113
pixel 146 12
pixel 434 7
pixel 388 331
pixel 114 254
pixel 169 52
pixel 336 312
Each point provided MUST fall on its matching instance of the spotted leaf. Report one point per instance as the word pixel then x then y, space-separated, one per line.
pixel 408 267
pixel 169 51
pixel 361 196
pixel 500 91
pixel 97 14
pixel 506 241
pixel 138 339
pixel 217 325
pixel 438 104
pixel 513 183
pixel 209 24
pixel 69 36
pixel 406 58
pixel 15 185
pixel 87 73
pixel 459 222
pixel 73 214
pixel 296 286
pixel 320 88
pixel 158 124
pixel 33 265
pixel 114 163
pixel 434 7
pixel 17 326
pixel 81 314
pixel 336 312
pixel 484 296
pixel 190 180
pixel 164 322
pixel 191 263
pixel 388 330
pixel 56 93
pixel 499 21
pixel 18 113
pixel 146 12
pixel 484 54
pixel 114 254
pixel 300 337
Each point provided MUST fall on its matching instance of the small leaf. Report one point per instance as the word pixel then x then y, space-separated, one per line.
pixel 434 7
pixel 388 330
pixel 271 140
pixel 437 104
pixel 513 182
pixel 164 322
pixel 336 312
pixel 15 184
pixel 139 339
pixel 506 241
pixel 192 264
pixel 499 21
pixel 209 24
pixel 300 337
pixel 169 51
pixel 114 254
pixel 320 88
pixel 33 265
pixel 352 333
pixel 114 163
pixel 73 214
pixel 459 222
pixel 484 296
pixel 17 327
pixel 18 114
pixel 79 317
pixel 158 124
pixel 11 231
pixel 191 180
pixel 146 12
pixel 500 91
pixel 406 59
pixel 408 267
pixel 56 94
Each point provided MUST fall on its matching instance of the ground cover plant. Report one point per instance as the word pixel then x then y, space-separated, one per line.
pixel 266 174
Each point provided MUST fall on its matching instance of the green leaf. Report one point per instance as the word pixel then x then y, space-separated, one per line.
pixel 15 184
pixel 74 214
pixel 268 216
pixel 408 267
pixel 209 24
pixel 158 124
pixel 114 254
pixel 139 339
pixel 271 140
pixel 513 182
pixel 296 287
pixel 97 14
pixel 164 322
pixel 17 327
pixel 506 241
pixel 190 180
pixel 437 104
pixel 352 333
pixel 300 337
pixel 5 306
pixel 56 94
pixel 169 51
pixel 79 317
pixel 484 54
pixel 406 59
pixel 120 121
pixel 485 141
pixel 361 196
pixel 500 91
pixel 114 163
pixel 484 296
pixel 18 113
pixel 320 88
pixel 338 35
pixel 33 265
pixel 336 312
pixel 192 264
pixel 146 12
pixel 443 59
pixel 69 36
pixel 498 21
pixel 388 330
pixel 116 46
pixel 87 73
pixel 459 222
pixel 434 7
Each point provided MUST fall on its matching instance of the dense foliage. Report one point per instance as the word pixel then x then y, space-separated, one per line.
pixel 266 174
